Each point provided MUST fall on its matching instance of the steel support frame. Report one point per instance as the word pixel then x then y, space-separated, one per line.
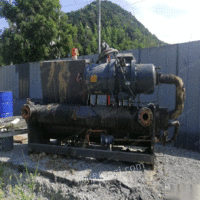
pixel 100 154
pixel 94 153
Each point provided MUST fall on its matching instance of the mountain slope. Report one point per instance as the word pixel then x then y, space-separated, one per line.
pixel 120 29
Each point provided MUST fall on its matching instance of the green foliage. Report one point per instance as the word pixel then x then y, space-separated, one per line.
pixel 1 57
pixel 1 174
pixel 37 32
pixel 119 28
pixel 34 31
pixel 66 34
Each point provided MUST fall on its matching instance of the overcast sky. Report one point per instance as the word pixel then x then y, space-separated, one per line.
pixel 172 21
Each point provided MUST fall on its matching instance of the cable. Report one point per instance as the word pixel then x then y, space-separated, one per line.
pixel 75 3
pixel 138 2
pixel 126 81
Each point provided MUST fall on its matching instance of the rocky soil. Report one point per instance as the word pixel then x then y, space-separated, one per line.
pixel 176 176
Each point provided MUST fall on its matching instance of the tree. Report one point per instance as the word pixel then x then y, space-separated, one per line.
pixel 12 45
pixel 35 30
pixel 1 57
pixel 81 37
pixel 66 36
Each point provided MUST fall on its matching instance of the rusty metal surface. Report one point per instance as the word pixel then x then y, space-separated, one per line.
pixel 61 82
pixel 180 93
pixel 134 157
pixel 24 79
pixel 95 153
pixel 52 117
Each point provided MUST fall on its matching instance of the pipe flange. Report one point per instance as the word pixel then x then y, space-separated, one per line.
pixel 145 116
pixel 26 113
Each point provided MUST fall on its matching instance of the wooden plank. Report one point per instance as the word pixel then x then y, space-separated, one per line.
pixel 12 123
pixel 12 133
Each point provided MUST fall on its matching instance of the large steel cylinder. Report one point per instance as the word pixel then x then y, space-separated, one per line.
pixel 134 121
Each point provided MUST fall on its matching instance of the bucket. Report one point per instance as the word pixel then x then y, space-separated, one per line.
pixel 6 104
pixel 6 110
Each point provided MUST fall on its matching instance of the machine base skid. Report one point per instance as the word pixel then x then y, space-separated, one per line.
pixel 94 153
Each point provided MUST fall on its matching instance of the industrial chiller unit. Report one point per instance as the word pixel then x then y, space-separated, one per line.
pixel 92 110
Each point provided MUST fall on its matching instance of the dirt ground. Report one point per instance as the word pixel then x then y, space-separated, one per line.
pixel 176 175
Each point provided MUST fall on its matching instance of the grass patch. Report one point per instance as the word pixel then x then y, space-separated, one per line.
pixel 18 191
pixel 24 186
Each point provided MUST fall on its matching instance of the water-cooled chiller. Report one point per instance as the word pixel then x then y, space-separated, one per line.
pixel 95 106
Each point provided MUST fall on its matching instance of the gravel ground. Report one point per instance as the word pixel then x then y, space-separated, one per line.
pixel 176 176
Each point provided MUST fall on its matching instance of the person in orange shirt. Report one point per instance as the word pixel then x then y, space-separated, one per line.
pixel 75 53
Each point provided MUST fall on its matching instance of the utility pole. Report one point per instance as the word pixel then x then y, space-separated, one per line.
pixel 59 38
pixel 59 33
pixel 99 26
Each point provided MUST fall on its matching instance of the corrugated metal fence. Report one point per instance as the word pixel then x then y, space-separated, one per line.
pixel 180 59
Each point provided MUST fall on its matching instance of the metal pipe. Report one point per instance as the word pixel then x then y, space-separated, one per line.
pixel 99 29
pixel 27 111
pixel 176 124
pixel 180 93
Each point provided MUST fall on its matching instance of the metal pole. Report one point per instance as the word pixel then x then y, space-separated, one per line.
pixel 59 38
pixel 99 25
pixel 59 33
